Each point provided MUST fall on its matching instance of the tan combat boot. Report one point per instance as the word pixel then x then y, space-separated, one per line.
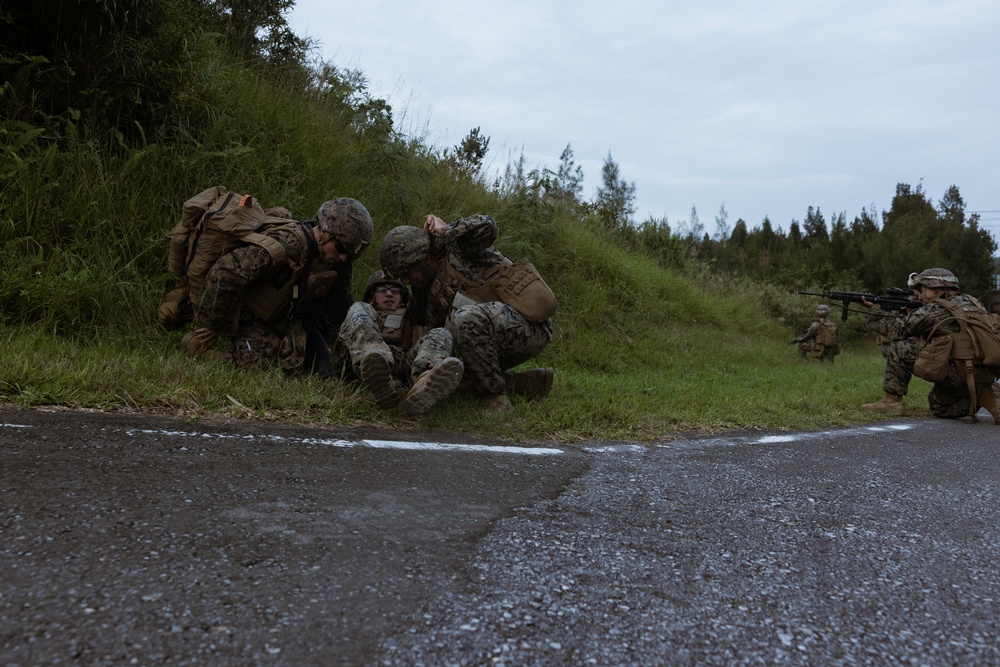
pixel 200 344
pixel 433 386
pixel 535 383
pixel 496 403
pixel 891 404
pixel 376 375
pixel 990 399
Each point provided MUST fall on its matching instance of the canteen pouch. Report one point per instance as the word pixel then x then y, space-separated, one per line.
pixel 934 359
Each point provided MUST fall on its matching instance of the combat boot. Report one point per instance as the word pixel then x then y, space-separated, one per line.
pixel 376 376
pixel 433 386
pixel 496 403
pixel 535 384
pixel 200 343
pixel 891 404
pixel 989 398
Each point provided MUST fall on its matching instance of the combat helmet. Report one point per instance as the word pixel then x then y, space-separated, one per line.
pixel 823 309
pixel 378 279
pixel 349 222
pixel 403 247
pixel 942 278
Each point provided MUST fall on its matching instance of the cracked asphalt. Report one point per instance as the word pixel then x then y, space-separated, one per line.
pixel 131 539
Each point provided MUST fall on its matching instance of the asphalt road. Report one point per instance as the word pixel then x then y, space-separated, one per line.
pixel 128 539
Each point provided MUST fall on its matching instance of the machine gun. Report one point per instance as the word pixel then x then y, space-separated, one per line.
pixel 895 299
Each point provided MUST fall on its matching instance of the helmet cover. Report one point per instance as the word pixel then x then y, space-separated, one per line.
pixel 349 222
pixel 403 247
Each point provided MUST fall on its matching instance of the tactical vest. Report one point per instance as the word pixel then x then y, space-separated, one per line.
pixel 272 303
pixel 393 326
pixel 517 284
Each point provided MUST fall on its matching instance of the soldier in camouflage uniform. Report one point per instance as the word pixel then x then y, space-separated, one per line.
pixel 286 313
pixel 378 344
pixel 441 260
pixel 907 335
pixel 820 340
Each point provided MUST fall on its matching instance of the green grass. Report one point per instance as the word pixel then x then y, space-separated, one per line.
pixel 764 386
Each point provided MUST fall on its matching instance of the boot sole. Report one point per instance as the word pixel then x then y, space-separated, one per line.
pixel 376 376
pixel 440 384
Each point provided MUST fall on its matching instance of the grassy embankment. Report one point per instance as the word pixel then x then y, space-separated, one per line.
pixel 641 351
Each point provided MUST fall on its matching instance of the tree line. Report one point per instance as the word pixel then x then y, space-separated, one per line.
pixel 870 251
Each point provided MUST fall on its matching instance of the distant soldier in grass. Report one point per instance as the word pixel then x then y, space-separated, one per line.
pixel 820 340
pixel 380 345
pixel 284 312
pixel 925 340
pixel 463 283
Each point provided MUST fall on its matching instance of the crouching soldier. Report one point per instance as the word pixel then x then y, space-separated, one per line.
pixel 282 298
pixel 935 343
pixel 380 345
pixel 498 311
pixel 820 341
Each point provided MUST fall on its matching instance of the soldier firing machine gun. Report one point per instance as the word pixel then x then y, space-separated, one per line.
pixel 895 299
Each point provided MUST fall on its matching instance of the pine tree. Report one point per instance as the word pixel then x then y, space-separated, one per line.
pixel 615 202
pixel 569 178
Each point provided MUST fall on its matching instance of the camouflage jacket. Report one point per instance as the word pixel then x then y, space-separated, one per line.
pixel 243 271
pixel 919 323
pixel 463 254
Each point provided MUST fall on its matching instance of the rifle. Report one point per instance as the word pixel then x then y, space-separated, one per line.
pixel 894 299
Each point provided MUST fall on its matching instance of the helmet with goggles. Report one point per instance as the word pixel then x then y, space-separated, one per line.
pixel 349 222
pixel 403 247
pixel 934 278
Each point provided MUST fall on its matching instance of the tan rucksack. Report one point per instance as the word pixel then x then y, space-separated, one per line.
pixel 976 348
pixel 827 335
pixel 213 223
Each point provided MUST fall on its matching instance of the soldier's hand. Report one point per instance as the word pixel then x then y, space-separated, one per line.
pixel 434 225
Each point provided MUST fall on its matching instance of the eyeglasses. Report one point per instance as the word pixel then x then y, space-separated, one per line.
pixel 382 290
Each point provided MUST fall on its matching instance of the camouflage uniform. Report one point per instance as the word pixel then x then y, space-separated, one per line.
pixel 489 337
pixel 808 346
pixel 258 342
pixel 361 334
pixel 949 398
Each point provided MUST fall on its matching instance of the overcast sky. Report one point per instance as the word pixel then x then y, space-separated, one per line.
pixel 766 108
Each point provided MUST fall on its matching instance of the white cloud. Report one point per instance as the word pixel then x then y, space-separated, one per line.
pixel 770 109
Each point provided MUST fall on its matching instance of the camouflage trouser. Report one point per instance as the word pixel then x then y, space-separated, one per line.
pixel 950 399
pixel 492 337
pixel 817 351
pixel 360 334
pixel 900 356
pixel 255 345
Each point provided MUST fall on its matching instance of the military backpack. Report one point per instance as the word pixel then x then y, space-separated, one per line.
pixel 213 223
pixel 975 349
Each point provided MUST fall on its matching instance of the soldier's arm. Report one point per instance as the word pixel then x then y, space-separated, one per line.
pixel 810 333
pixel 473 234
pixel 917 323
